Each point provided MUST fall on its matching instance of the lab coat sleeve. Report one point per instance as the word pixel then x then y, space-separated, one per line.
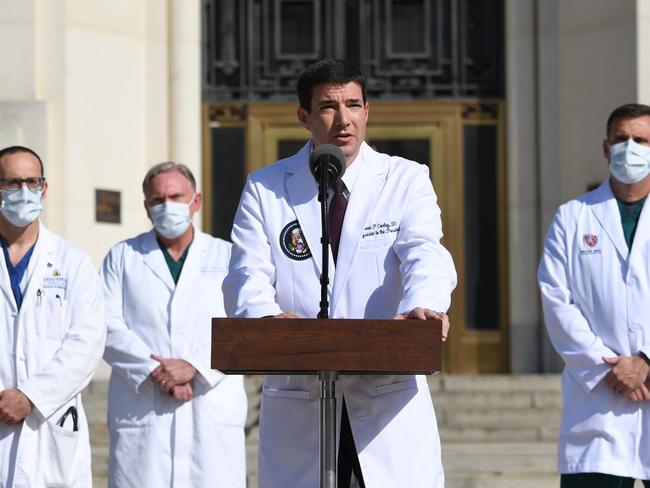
pixel 581 349
pixel 248 290
pixel 427 268
pixel 200 359
pixel 128 355
pixel 74 363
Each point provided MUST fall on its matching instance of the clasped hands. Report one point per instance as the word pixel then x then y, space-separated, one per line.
pixel 629 377
pixel 174 376
pixel 418 313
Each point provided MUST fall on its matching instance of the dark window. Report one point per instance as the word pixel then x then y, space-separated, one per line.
pixel 414 149
pixel 482 284
pixel 227 177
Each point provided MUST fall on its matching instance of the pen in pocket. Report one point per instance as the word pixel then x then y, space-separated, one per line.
pixel 38 297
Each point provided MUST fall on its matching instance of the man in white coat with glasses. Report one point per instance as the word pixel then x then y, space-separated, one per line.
pixel 594 278
pixel 173 421
pixel 52 336
pixel 387 263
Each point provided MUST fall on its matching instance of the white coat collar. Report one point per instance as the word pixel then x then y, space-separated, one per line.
pixel 154 259
pixel 641 236
pixel 603 204
pixel 302 192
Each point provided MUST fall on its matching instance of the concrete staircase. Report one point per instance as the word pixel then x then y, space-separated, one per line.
pixel 496 431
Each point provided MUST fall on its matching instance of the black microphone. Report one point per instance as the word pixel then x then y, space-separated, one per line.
pixel 333 159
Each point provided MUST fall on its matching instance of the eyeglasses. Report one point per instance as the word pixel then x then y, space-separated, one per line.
pixel 34 184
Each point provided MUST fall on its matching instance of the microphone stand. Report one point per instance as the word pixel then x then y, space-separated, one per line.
pixel 327 378
pixel 325 241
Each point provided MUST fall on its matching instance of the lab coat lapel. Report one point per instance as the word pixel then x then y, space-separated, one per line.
pixel 641 237
pixel 5 284
pixel 605 209
pixel 302 191
pixel 367 187
pixel 195 256
pixel 153 257
pixel 41 264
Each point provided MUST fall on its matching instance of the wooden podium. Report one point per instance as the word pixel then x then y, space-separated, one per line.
pixel 327 348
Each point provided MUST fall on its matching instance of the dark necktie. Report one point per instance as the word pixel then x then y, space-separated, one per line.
pixel 336 215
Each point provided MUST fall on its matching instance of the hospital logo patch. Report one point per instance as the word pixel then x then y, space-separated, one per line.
pixel 293 242
pixel 590 240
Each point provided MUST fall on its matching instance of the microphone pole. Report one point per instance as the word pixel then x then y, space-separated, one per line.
pixel 325 242
pixel 327 164
pixel 332 166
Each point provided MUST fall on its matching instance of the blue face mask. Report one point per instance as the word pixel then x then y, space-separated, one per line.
pixel 170 219
pixel 21 207
pixel 629 161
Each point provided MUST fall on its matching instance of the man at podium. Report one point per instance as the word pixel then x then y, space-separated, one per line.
pixel 386 261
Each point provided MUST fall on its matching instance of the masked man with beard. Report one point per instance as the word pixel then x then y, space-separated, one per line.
pixel 52 336
pixel 173 421
pixel 594 278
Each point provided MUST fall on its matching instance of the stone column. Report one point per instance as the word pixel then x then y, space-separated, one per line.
pixel 185 85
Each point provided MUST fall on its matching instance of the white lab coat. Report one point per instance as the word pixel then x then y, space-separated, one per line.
pixel 596 300
pixel 51 348
pixel 156 440
pixel 390 261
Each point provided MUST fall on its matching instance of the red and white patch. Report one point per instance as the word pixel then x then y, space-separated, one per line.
pixel 590 240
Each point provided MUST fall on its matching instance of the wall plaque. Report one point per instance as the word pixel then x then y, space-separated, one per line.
pixel 107 206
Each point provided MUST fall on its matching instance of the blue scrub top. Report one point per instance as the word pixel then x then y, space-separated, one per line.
pixel 16 273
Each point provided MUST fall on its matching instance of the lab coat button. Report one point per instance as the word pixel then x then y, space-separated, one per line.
pixel 631 330
pixel 632 281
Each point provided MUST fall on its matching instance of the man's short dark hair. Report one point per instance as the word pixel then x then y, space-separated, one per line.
pixel 627 111
pixel 18 149
pixel 330 71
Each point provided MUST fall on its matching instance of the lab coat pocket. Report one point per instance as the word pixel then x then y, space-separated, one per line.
pixel 53 312
pixel 376 243
pixel 289 394
pixel 64 455
pixel 399 386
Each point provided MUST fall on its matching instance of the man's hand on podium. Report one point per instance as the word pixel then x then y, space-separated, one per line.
pixel 419 313
pixel 287 315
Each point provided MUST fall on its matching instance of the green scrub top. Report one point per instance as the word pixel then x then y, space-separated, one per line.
pixel 175 267
pixel 630 213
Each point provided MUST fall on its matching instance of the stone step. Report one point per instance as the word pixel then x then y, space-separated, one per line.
pixel 498 434
pixel 501 418
pixel 452 401
pixel 494 383
pixel 100 460
pixel 503 481
pixel 497 458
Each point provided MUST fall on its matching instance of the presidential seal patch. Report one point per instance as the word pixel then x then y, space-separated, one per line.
pixel 293 242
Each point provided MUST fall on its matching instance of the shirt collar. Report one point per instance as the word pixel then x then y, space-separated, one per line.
pixel 352 171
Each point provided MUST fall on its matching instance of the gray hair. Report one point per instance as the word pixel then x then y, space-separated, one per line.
pixel 167 167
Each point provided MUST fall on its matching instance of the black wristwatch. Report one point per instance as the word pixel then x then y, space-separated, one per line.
pixel 644 357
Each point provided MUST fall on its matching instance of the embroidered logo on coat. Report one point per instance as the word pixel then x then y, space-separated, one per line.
pixel 293 242
pixel 590 240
